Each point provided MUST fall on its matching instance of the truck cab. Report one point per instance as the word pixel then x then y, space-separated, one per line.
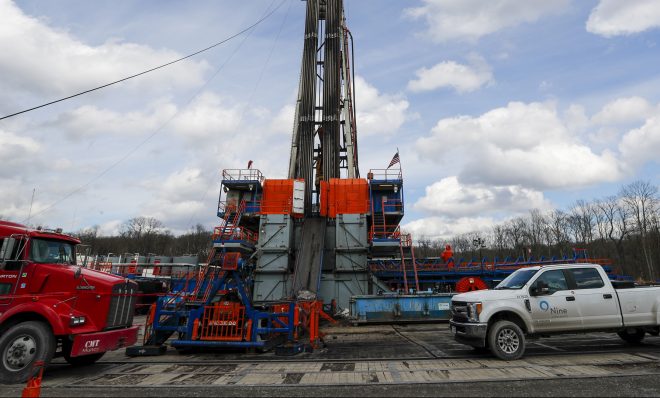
pixel 553 299
pixel 52 306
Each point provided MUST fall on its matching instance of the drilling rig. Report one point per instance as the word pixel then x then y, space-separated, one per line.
pixel 286 246
pixel 320 243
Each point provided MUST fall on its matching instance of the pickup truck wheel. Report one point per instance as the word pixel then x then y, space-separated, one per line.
pixel 632 336
pixel 506 340
pixel 21 345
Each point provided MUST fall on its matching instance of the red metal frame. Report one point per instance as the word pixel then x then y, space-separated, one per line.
pixel 223 322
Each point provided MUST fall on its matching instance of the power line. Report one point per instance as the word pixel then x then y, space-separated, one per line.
pixel 161 127
pixel 149 70
pixel 254 90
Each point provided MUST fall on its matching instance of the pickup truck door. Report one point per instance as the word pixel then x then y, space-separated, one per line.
pixel 596 299
pixel 553 307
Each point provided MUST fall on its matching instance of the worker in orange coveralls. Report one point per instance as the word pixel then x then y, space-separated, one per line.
pixel 446 255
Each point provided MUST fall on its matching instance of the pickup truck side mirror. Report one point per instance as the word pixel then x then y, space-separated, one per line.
pixel 539 289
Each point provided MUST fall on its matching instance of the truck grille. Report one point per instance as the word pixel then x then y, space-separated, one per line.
pixel 459 311
pixel 122 305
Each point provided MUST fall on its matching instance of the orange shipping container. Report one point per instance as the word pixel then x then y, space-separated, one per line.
pixel 346 196
pixel 277 196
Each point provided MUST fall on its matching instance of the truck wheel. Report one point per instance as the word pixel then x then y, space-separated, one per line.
pixel 506 340
pixel 632 336
pixel 20 346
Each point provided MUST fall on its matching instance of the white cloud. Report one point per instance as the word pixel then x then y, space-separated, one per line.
pixel 181 198
pixel 576 118
pixel 472 19
pixel 16 197
pixel 623 17
pixel 209 116
pixel 17 153
pixel 442 228
pixel 624 110
pixel 521 144
pixel 378 113
pixel 110 228
pixel 462 78
pixel 283 121
pixel 642 144
pixel 90 120
pixel 449 198
pixel 52 61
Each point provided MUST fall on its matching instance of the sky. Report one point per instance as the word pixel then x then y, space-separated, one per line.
pixel 497 107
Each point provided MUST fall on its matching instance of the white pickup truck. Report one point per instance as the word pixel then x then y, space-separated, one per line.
pixel 539 301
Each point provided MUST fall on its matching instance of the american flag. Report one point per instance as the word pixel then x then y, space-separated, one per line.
pixel 395 160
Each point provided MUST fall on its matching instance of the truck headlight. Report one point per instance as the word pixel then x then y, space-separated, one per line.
pixel 77 321
pixel 473 311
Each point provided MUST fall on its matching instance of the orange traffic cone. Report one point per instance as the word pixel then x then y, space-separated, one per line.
pixel 33 387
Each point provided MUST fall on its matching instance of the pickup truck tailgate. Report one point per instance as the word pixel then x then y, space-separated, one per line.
pixel 640 306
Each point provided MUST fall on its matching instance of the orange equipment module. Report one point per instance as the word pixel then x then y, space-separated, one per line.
pixel 344 196
pixel 277 196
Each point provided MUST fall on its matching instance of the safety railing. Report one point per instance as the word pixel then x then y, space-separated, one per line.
pixel 406 239
pixel 235 233
pixel 462 265
pixel 242 175
pixel 143 269
pixel 384 231
pixel 385 174
pixel 392 206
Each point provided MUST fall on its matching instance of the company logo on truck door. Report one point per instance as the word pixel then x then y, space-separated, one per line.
pixel 554 311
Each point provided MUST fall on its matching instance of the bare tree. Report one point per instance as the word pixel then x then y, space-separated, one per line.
pixel 536 230
pixel 142 234
pixel 616 224
pixel 499 239
pixel 641 199
pixel 558 225
pixel 517 233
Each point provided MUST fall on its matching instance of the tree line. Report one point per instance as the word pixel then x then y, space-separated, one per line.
pixel 624 227
pixel 148 235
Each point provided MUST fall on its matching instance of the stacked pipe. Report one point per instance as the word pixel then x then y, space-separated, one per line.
pixel 331 89
pixel 306 107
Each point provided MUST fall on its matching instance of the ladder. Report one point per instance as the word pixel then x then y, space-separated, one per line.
pixel 231 221
pixel 405 244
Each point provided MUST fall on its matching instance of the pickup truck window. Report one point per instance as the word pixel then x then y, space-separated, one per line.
pixel 517 280
pixel 587 278
pixel 554 280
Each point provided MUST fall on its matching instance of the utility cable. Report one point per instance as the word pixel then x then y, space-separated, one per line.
pixel 149 70
pixel 254 90
pixel 157 130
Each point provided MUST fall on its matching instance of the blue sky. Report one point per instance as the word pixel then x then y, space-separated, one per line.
pixel 497 107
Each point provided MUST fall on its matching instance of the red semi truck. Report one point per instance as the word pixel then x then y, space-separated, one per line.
pixel 51 306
